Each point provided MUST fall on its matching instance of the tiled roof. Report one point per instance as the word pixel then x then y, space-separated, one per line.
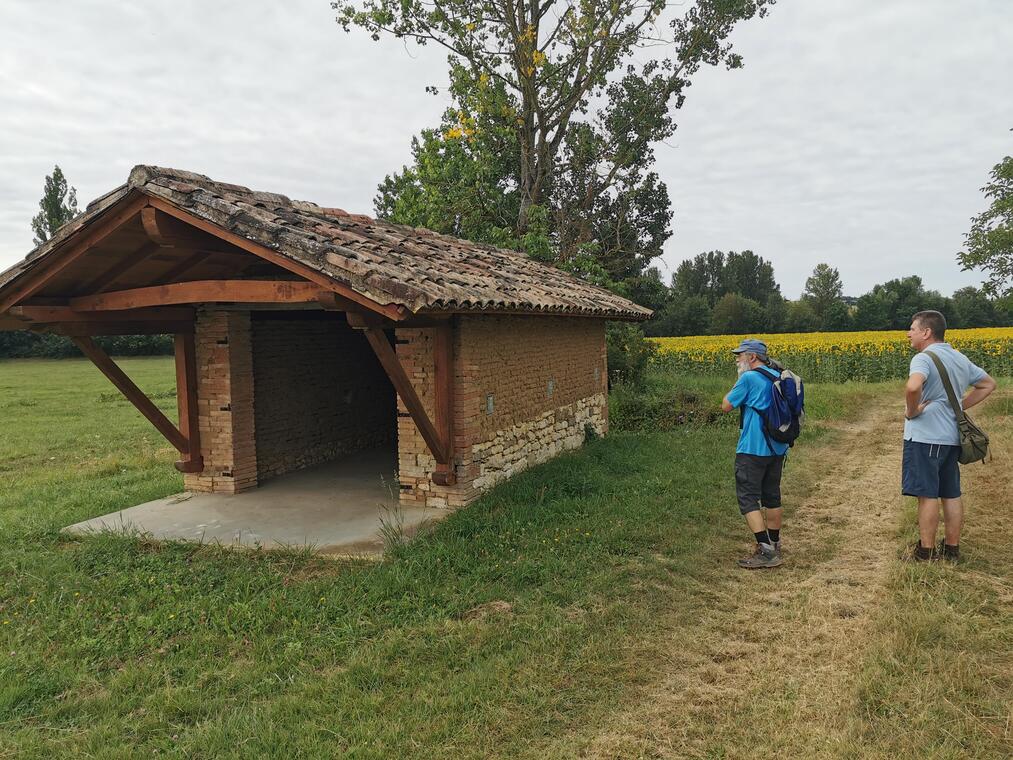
pixel 388 263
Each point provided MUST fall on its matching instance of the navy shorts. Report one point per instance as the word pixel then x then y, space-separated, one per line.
pixel 758 480
pixel 930 470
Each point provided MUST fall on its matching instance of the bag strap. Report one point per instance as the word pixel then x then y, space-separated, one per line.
pixel 958 410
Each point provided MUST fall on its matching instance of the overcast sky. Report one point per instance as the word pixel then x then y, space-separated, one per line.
pixel 859 133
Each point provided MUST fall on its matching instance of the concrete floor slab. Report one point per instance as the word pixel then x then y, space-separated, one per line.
pixel 335 508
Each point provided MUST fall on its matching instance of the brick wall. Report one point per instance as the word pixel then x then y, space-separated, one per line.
pixel 319 391
pixel 224 403
pixel 547 379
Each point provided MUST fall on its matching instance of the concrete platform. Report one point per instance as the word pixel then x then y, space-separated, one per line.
pixel 334 508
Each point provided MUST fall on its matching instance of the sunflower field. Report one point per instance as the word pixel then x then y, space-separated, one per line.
pixel 832 357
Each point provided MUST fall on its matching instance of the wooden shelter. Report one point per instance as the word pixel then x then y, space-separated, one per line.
pixel 305 333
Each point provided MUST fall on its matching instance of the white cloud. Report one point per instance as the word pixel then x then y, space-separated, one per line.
pixel 859 133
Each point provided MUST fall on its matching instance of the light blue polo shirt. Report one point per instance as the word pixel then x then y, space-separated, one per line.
pixel 938 423
pixel 753 392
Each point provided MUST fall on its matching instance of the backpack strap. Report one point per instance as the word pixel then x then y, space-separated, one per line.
pixel 958 410
pixel 763 425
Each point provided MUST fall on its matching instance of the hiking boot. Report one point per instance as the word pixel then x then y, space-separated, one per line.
pixel 919 553
pixel 777 548
pixel 765 555
pixel 949 553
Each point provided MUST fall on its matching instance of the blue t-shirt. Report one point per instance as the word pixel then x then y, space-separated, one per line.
pixel 753 392
pixel 938 423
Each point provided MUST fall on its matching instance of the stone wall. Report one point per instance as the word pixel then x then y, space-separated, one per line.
pixel 320 392
pixel 525 389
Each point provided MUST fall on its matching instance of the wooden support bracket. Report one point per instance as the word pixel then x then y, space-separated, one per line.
pixel 141 402
pixel 438 436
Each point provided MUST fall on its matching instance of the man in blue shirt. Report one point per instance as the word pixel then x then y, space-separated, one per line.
pixel 758 459
pixel 930 470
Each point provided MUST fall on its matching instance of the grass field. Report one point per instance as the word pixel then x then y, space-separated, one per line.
pixel 518 627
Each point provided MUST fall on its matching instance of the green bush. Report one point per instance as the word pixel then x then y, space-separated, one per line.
pixel 30 345
pixel 629 353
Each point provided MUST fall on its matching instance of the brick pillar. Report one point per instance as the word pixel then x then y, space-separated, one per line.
pixel 225 403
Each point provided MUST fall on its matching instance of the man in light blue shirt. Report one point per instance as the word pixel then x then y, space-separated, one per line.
pixel 759 460
pixel 930 470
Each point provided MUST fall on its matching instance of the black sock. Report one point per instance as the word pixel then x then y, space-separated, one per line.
pixel 775 535
pixel 761 537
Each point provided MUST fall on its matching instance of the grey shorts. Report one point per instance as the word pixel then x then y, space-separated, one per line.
pixel 758 481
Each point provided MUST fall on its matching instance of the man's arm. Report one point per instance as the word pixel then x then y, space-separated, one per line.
pixel 981 391
pixel 913 395
pixel 726 405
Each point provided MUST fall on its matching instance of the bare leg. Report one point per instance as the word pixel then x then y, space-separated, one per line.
pixel 774 518
pixel 755 521
pixel 953 519
pixel 928 521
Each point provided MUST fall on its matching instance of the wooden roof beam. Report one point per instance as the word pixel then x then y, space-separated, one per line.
pixel 201 291
pixel 66 314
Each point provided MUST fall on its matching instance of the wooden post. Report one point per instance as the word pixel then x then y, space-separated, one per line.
pixel 443 361
pixel 186 400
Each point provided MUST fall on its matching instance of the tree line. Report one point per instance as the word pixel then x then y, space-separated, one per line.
pixel 726 293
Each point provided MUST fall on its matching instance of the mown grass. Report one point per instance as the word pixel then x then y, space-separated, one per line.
pixel 940 675
pixel 533 611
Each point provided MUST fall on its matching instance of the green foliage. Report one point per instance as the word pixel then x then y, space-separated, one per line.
pixel 714 274
pixel 26 345
pixel 824 293
pixel 735 314
pixel 57 207
pixel 971 307
pixel 989 244
pixel 890 306
pixel 629 353
pixel 553 109
pixel 801 317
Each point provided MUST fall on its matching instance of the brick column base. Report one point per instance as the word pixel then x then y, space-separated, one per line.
pixel 225 403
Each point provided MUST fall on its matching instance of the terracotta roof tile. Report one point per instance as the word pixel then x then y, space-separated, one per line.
pixel 388 263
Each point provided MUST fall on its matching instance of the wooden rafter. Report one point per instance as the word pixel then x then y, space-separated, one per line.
pixel 201 291
pixel 76 246
pixel 120 268
pixel 184 266
pixel 395 312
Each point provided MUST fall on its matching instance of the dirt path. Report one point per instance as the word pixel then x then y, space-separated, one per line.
pixel 803 627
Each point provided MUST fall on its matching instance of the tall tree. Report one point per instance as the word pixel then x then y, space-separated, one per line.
pixel 751 276
pixel 989 244
pixel 573 108
pixel 57 207
pixel 823 288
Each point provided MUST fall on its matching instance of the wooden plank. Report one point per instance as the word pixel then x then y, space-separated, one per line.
pixel 186 401
pixel 201 291
pixel 67 314
pixel 391 311
pixel 70 251
pixel 133 394
pixel 110 328
pixel 184 266
pixel 167 231
pixel 402 384
pixel 120 268
pixel 443 381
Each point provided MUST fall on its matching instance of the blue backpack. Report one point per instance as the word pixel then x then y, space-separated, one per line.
pixel 782 419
